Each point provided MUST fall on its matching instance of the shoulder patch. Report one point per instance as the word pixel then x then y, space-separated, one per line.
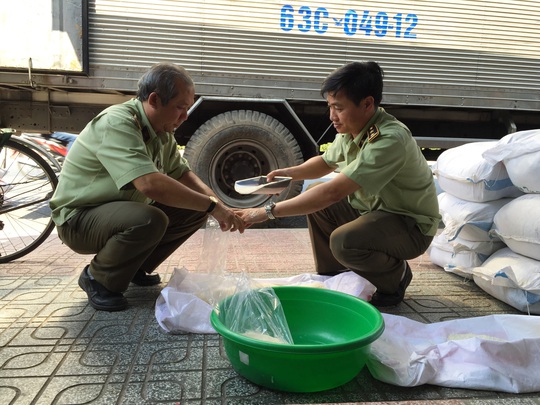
pixel 373 133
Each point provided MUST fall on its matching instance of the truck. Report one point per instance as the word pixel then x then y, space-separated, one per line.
pixel 455 72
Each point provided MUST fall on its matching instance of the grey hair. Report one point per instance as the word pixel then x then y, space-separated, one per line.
pixel 161 79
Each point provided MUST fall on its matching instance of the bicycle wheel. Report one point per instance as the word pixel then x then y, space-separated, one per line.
pixel 27 183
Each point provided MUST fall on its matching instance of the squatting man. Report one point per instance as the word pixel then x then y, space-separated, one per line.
pixel 381 209
pixel 125 193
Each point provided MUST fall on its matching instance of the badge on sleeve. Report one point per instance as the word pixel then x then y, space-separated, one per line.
pixel 373 133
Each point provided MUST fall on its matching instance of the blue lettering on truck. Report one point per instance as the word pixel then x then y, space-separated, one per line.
pixel 353 22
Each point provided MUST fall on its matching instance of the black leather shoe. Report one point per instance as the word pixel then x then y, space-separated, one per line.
pixel 144 279
pixel 99 297
pixel 388 300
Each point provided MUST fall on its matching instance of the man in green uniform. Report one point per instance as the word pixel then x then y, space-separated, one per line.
pixel 381 209
pixel 125 193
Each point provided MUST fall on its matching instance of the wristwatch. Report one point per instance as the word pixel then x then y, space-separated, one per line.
pixel 268 208
pixel 213 203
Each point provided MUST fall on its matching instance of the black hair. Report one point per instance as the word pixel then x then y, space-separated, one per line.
pixel 357 80
pixel 161 79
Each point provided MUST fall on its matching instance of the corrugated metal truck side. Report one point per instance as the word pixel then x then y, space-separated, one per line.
pixel 454 72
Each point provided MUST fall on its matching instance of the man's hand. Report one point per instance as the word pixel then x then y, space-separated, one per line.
pixel 277 173
pixel 227 218
pixel 251 216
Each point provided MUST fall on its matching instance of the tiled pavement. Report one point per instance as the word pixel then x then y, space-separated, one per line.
pixel 55 349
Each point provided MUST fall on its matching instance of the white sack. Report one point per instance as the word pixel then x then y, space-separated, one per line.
pixel 456 255
pixel 469 220
pixel 511 278
pixel 523 172
pixel 464 173
pixel 187 301
pixel 520 153
pixel 495 352
pixel 518 225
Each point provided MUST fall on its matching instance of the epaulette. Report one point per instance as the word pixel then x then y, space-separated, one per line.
pixel 136 119
pixel 144 130
pixel 373 133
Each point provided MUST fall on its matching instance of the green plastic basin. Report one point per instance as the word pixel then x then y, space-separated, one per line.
pixel 331 330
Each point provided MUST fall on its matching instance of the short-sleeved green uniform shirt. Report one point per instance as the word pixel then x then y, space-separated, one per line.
pixel 388 165
pixel 115 148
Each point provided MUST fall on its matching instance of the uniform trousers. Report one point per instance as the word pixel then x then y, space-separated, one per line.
pixel 373 245
pixel 128 236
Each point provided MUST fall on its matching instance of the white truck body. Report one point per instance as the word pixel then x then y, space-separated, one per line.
pixel 454 71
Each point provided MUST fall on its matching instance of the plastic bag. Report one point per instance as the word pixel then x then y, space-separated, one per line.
pixel 251 311
pixel 186 303
pixel 213 261
pixel 256 313
pixel 495 352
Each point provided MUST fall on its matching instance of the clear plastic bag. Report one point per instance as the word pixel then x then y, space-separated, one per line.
pixel 213 262
pixel 214 252
pixel 256 313
pixel 251 311
pixel 186 303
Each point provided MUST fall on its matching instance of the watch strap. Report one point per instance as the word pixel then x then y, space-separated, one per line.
pixel 213 203
pixel 268 208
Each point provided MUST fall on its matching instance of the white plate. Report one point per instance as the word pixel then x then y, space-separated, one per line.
pixel 259 185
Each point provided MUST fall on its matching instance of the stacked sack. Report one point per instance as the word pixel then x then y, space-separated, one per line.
pixel 506 179
pixel 473 192
pixel 512 274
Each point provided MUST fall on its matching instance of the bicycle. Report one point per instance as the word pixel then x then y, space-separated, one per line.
pixel 56 144
pixel 27 182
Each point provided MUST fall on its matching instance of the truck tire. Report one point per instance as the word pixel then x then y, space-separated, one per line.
pixel 238 145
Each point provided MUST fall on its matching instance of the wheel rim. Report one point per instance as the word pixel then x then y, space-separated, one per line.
pixel 25 215
pixel 239 160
